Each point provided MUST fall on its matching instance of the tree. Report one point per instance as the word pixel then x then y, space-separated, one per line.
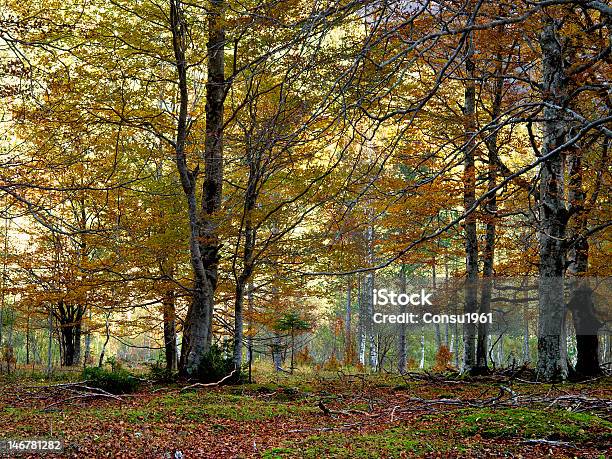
pixel 293 323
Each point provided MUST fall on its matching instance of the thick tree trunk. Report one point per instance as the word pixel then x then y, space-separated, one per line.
pixel 586 324
pixel 71 336
pixel 204 242
pixel 213 156
pixel 70 318
pixel 469 197
pixel 77 343
pixel 552 362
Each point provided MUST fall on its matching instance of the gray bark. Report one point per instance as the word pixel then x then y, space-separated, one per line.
pixel 169 317
pixel 348 338
pixel 469 197
pixel 203 238
pixel 248 261
pixel 361 327
pixel 552 362
pixel 50 344
pixel 585 322
pixel 526 349
pixel 277 356
pixel 401 343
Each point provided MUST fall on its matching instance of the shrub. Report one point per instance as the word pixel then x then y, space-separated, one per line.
pixel 443 359
pixel 332 363
pixel 119 381
pixel 159 373
pixel 216 364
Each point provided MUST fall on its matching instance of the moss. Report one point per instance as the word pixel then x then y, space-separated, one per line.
pixel 531 423
pixel 390 443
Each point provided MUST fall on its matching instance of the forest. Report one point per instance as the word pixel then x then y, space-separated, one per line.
pixel 292 228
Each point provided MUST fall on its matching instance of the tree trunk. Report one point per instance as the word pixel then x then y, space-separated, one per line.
pixel 369 299
pixel 526 348
pixel 87 358
pixel 368 296
pixel 401 343
pixel 422 362
pixel 361 329
pixel 101 359
pixel 586 323
pixel 469 197
pixel 50 345
pixel 213 157
pixel 277 352
pixel 204 243
pixel 250 317
pixel 250 234
pixel 552 362
pixel 434 286
pixel 169 316
pixel 28 340
pixel 348 339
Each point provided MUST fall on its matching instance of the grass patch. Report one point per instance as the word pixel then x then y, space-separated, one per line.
pixel 390 443
pixel 531 423
pixel 200 407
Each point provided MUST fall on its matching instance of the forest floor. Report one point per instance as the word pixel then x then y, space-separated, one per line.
pixel 334 415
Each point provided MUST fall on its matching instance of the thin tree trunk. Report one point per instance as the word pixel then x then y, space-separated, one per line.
pixel 348 339
pixel 422 362
pixel 28 340
pixel 434 286
pixel 369 299
pixel 401 343
pixel 526 349
pixel 107 326
pixel 169 317
pixel 50 345
pixel 87 357
pixel 361 329
pixel 277 352
pixel 469 197
pixel 250 234
pixel 250 311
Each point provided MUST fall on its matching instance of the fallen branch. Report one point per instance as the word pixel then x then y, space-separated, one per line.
pixel 84 395
pixel 329 411
pixel 222 380
pixel 549 442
